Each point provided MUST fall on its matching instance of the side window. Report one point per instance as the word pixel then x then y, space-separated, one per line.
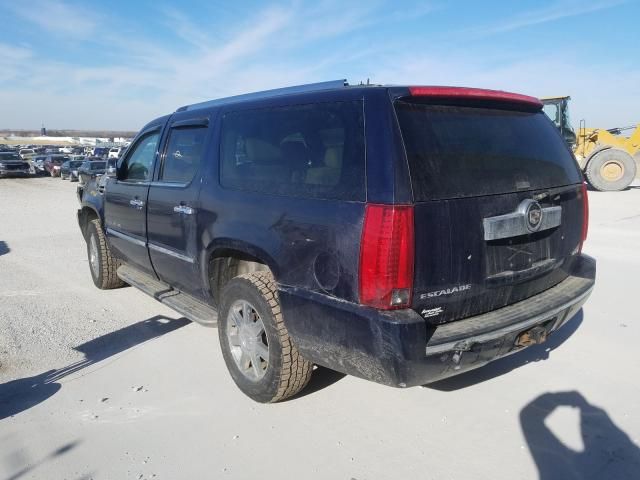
pixel 314 150
pixel 183 154
pixel 138 166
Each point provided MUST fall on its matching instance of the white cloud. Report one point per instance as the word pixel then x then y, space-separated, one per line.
pixel 12 53
pixel 57 17
pixel 556 11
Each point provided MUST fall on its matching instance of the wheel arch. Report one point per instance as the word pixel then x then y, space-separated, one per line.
pixel 85 215
pixel 227 258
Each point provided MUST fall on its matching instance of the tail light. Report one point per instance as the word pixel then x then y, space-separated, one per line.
pixel 387 256
pixel 585 215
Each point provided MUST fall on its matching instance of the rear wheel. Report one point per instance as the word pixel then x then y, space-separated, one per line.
pixel 636 157
pixel 102 263
pixel 255 343
pixel 611 170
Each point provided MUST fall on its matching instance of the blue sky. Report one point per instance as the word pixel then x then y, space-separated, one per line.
pixel 116 65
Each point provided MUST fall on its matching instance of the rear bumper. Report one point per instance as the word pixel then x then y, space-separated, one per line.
pixel 399 349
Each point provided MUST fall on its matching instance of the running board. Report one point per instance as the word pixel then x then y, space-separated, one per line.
pixel 193 309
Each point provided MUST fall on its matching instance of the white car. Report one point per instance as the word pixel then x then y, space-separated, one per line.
pixel 116 152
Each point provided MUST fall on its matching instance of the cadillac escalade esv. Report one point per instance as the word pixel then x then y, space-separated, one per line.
pixel 399 234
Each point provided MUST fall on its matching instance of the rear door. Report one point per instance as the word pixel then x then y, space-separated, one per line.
pixel 498 206
pixel 126 200
pixel 173 203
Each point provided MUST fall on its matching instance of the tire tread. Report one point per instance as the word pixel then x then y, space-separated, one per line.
pixel 108 263
pixel 296 370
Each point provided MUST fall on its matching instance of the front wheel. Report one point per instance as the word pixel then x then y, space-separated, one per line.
pixel 256 346
pixel 102 263
pixel 610 170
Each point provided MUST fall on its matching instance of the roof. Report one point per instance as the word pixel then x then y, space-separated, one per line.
pixel 276 92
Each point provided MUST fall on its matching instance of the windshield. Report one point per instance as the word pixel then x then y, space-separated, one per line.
pixel 98 165
pixel 9 156
pixel 458 151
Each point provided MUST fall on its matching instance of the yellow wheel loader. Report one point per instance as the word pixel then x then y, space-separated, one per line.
pixel 609 159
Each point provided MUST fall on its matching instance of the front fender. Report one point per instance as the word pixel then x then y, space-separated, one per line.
pixel 91 199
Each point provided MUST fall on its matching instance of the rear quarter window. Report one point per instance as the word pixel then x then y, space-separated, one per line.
pixel 459 151
pixel 313 150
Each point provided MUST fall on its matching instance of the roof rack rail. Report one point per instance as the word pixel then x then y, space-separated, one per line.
pixel 310 87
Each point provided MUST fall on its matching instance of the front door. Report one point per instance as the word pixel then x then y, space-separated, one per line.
pixel 126 201
pixel 173 204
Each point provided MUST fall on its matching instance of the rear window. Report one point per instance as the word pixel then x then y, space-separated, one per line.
pixel 456 151
pixel 313 150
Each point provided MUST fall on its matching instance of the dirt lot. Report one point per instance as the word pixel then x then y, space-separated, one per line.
pixel 112 385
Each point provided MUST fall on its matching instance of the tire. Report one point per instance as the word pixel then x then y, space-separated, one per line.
pixel 102 264
pixel 636 157
pixel 285 372
pixel 610 170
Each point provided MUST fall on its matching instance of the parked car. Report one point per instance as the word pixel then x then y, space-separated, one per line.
pixel 91 169
pixel 399 234
pixel 26 153
pixel 12 165
pixel 38 164
pixel 53 163
pixel 100 152
pixel 69 169
pixel 116 152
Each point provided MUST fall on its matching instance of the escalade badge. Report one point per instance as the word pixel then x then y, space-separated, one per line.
pixel 533 215
pixel 446 291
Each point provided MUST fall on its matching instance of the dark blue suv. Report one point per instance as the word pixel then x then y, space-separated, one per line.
pixel 399 234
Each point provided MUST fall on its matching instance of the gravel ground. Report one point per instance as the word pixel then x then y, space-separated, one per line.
pixel 113 385
pixel 48 303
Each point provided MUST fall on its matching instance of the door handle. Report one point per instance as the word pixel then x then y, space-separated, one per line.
pixel 183 209
pixel 135 203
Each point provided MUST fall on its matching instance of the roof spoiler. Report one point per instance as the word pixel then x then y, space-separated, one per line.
pixel 475 94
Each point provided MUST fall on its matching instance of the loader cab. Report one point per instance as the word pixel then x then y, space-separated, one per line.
pixel 557 109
